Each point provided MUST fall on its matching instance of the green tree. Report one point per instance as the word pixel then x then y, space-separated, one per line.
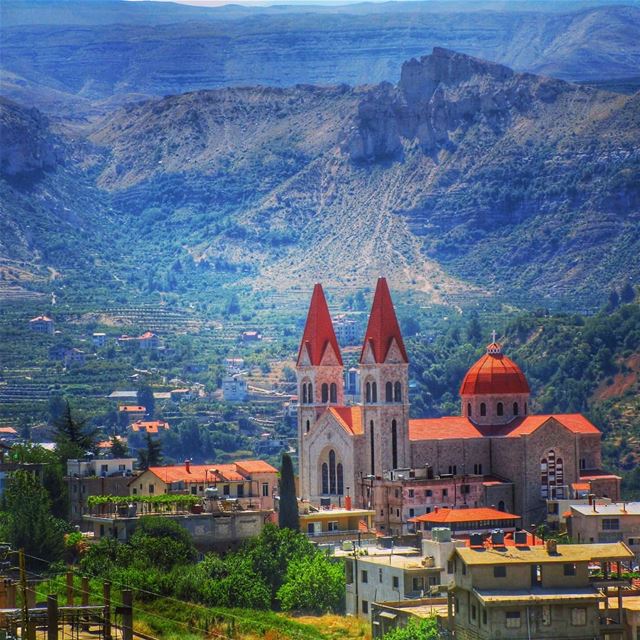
pixel 288 514
pixel 425 629
pixel 613 301
pixel 118 448
pixel 28 523
pixel 161 543
pixel 313 583
pixel 72 436
pixel 627 293
pixel 146 399
pixel 474 330
pixel 151 455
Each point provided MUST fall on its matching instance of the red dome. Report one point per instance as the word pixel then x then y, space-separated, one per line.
pixel 494 374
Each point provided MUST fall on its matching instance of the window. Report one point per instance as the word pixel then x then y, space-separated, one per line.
pixel 412 513
pixel 445 493
pixel 373 450
pixel 515 409
pixel 468 408
pixel 450 566
pixel 477 469
pixel 365 606
pixel 465 488
pixel 325 478
pixel 240 493
pixel 374 392
pixel 194 490
pixel 569 569
pixel 418 584
pixel 484 616
pixel 583 463
pixel 368 394
pixel 525 408
pixel 304 393
pixel 333 392
pixel 333 526
pixel 453 469
pixel 500 409
pixel 152 488
pixel 396 493
pixel 308 426
pixel 389 392
pixel 428 493
pixel 394 443
pixel 499 571
pixel 610 524
pixel 551 477
pixel 411 493
pixel 397 513
pixel 340 475
pixel 578 616
pixel 332 471
pixel 379 575
pixel 310 393
pixel 512 619
pixel 325 392
pixel 474 612
pixel 483 409
pixel 364 576
pixel 122 467
pixel 265 489
pixel 396 582
pixel 226 490
pixel 397 392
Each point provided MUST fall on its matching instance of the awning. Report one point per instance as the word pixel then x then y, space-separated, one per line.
pixel 388 615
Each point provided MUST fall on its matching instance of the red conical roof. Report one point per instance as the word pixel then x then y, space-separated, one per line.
pixel 494 374
pixel 318 331
pixel 383 325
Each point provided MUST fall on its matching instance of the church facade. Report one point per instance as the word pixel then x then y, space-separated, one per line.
pixel 347 449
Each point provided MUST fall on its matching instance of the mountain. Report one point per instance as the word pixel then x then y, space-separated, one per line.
pixel 92 51
pixel 464 179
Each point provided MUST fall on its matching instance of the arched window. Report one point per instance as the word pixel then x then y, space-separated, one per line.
pixel 340 479
pixel 325 478
pixel 389 392
pixel 516 410
pixel 308 426
pixel 501 505
pixel 333 393
pixel 397 389
pixel 468 408
pixel 304 393
pixel 325 392
pixel 483 409
pixel 500 409
pixel 332 471
pixel 373 449
pixel 368 392
pixel 525 408
pixel 374 392
pixel 310 393
pixel 394 443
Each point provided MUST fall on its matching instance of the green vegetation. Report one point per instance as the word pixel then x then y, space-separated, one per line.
pixel 288 514
pixel 425 629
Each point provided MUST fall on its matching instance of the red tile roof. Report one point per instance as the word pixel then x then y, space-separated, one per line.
pixel 453 427
pixel 494 373
pixel 41 319
pixel 464 515
pixel 203 473
pixel 255 466
pixel 128 408
pixel 318 330
pixel 8 430
pixel 150 426
pixel 350 418
pixel 383 326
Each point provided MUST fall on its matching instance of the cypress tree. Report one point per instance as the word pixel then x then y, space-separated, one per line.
pixel 288 515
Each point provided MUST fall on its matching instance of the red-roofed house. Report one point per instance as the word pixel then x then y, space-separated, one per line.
pixel 252 482
pixel 353 450
pixel 42 324
pixel 150 426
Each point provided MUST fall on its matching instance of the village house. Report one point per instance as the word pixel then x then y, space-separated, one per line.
pixel 250 482
pixel 234 389
pixel 465 522
pixel 74 358
pixel 98 339
pixel 152 427
pixel 128 413
pixel 543 592
pixel 42 324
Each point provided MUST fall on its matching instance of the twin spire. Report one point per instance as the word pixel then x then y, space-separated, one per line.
pixel 383 328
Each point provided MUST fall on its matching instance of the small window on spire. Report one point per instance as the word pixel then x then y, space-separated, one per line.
pixel 397 392
pixel 483 409
pixel 469 409
pixel 333 393
pixel 500 409
pixel 515 409
pixel 389 392
pixel 325 392
pixel 368 396
pixel 374 392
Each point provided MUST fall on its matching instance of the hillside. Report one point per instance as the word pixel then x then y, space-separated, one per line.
pixel 465 179
pixel 57 53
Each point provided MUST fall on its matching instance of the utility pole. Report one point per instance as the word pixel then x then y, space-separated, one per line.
pixel 27 629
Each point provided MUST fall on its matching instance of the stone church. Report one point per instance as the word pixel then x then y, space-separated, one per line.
pixel 343 447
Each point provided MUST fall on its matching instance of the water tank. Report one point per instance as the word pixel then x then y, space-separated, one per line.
pixel 441 534
pixel 520 538
pixel 476 539
pixel 211 493
pixel 347 545
pixel 497 537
